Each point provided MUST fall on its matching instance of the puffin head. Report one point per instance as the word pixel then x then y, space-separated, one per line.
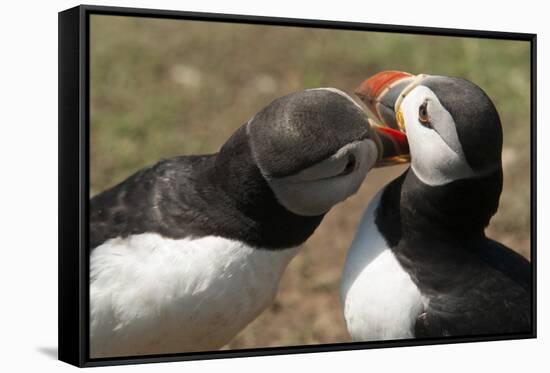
pixel 452 126
pixel 314 148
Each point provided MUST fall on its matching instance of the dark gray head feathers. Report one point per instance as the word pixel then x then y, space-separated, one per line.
pixel 477 122
pixel 298 130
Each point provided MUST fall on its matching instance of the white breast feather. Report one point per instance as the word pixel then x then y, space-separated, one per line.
pixel 379 299
pixel 152 295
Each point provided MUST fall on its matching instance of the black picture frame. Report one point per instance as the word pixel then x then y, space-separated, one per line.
pixel 74 66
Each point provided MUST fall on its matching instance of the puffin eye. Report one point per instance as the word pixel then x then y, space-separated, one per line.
pixel 350 165
pixel 423 116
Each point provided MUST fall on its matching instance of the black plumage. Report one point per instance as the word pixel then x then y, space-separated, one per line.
pixel 196 196
pixel 226 194
pixel 473 284
pixel 433 219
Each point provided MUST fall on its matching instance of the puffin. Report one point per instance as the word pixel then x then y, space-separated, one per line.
pixel 187 252
pixel 420 264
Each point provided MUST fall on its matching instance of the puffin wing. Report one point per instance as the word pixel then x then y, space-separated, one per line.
pixel 155 199
pixel 506 261
pixel 492 297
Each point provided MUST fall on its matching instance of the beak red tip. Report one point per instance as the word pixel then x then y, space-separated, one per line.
pixel 394 147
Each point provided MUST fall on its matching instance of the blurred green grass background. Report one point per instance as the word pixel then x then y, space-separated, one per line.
pixel 161 88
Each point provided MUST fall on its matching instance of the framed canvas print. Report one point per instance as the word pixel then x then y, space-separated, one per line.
pixel 235 186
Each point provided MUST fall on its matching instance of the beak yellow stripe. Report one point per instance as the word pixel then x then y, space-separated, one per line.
pixel 397 108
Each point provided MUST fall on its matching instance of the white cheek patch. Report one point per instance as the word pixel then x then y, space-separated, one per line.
pixel 444 125
pixel 437 157
pixel 331 166
pixel 314 191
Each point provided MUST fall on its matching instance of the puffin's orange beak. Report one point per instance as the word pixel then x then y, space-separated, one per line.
pixel 392 145
pixel 380 93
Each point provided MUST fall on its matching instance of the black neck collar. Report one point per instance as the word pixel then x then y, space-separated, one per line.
pixel 460 210
pixel 258 218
